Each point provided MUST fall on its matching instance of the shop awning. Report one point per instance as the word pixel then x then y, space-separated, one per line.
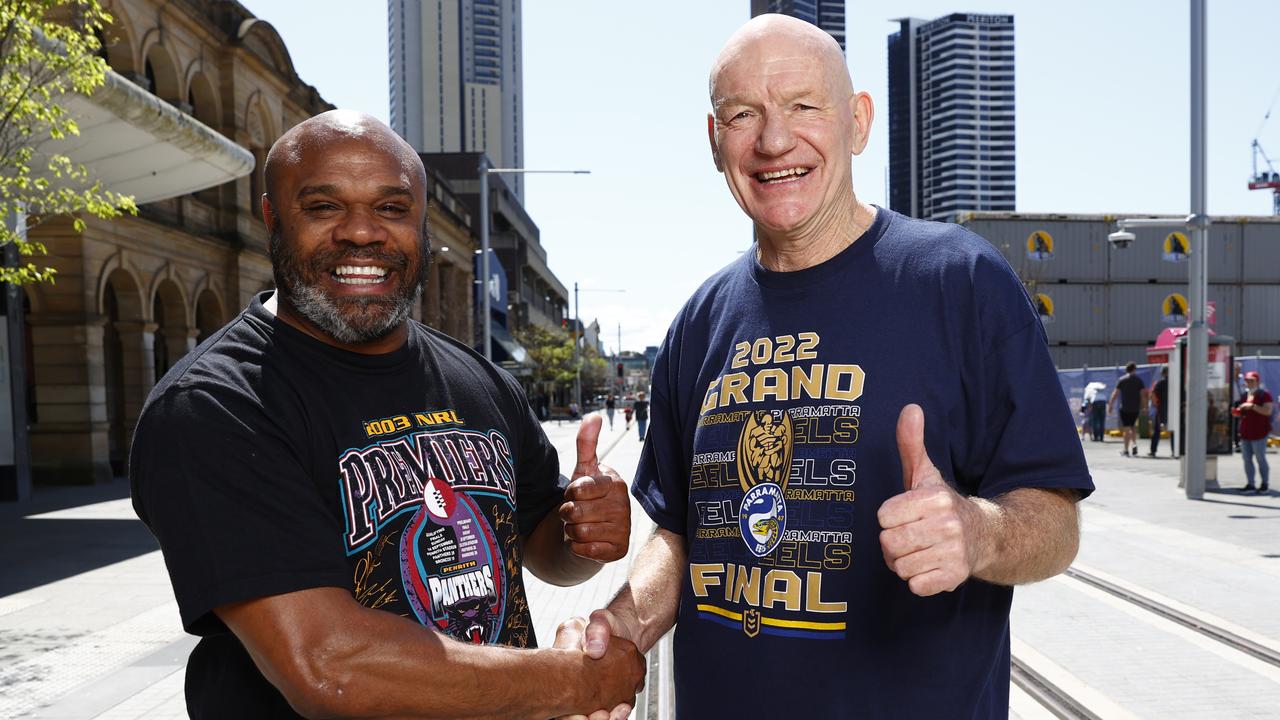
pixel 140 145
pixel 513 350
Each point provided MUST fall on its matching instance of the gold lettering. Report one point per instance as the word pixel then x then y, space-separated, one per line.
pixel 789 594
pixel 808 344
pixel 746 587
pixel 763 388
pixel 705 575
pixel 761 351
pixel 844 382
pixel 709 402
pixel 811 384
pixel 813 597
pixel 734 384
pixel 784 354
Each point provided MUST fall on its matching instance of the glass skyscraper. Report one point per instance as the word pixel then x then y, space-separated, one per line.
pixel 951 115
pixel 826 14
pixel 456 77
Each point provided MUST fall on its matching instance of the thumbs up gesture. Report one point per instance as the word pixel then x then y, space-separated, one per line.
pixel 931 535
pixel 597 510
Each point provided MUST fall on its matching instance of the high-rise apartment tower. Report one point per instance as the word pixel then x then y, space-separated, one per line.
pixel 456 78
pixel 951 115
pixel 826 14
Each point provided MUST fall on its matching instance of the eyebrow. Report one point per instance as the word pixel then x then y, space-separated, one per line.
pixel 383 191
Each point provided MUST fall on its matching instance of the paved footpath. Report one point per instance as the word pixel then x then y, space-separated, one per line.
pixel 88 627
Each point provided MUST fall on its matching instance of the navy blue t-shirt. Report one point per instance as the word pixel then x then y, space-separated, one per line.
pixel 772 445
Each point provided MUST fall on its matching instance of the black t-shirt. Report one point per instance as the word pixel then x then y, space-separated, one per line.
pixel 642 409
pixel 1161 391
pixel 267 462
pixel 1130 387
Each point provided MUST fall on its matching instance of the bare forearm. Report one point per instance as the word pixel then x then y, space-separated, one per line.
pixel 547 555
pixel 648 602
pixel 330 657
pixel 1030 534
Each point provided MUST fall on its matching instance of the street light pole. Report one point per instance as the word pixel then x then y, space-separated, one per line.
pixel 1197 419
pixel 483 171
pixel 1198 333
pixel 577 366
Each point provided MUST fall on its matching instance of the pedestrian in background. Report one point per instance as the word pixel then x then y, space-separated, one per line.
pixel 1160 395
pixel 1129 391
pixel 1097 408
pixel 642 414
pixel 610 405
pixel 1255 426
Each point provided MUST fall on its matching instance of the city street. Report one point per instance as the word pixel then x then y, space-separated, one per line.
pixel 89 629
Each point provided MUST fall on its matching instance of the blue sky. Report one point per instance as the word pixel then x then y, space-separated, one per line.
pixel 619 88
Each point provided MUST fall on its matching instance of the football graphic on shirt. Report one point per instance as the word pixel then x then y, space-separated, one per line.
pixel 439 499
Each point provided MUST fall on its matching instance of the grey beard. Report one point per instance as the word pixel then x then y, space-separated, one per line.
pixel 365 325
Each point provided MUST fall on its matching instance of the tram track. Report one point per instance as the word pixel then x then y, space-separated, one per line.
pixel 1061 702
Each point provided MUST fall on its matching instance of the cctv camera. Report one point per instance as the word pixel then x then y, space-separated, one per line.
pixel 1121 238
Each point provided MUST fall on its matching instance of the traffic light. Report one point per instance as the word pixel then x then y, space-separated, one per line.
pixel 619 369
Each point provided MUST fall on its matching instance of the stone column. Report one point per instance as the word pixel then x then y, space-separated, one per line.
pixel 137 342
pixel 69 430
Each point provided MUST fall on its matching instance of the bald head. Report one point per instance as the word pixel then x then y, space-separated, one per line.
pixel 313 135
pixel 770 37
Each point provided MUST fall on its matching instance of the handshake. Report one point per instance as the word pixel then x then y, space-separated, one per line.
pixel 611 668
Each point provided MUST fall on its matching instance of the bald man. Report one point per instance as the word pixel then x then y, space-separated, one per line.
pixel 345 497
pixel 858 440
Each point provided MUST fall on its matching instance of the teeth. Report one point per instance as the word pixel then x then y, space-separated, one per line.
pixel 797 171
pixel 359 281
pixel 359 270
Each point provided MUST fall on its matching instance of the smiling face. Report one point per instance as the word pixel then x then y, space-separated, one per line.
pixel 346 212
pixel 784 126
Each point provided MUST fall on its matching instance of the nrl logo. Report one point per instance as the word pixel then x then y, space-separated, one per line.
pixel 751 622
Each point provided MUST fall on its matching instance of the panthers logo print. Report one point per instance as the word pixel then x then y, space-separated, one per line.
pixel 764 449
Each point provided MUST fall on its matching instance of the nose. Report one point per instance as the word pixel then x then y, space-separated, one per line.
pixel 776 137
pixel 359 226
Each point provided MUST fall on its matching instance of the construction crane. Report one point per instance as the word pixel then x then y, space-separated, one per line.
pixel 1268 179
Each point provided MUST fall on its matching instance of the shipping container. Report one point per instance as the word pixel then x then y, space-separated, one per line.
pixel 1226 240
pixel 1137 313
pixel 1144 260
pixel 1072 313
pixel 1078 356
pixel 1261 262
pixel 1048 250
pixel 1225 317
pixel 1261 315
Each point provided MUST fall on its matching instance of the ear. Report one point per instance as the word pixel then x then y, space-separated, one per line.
pixel 863 113
pixel 268 214
pixel 711 136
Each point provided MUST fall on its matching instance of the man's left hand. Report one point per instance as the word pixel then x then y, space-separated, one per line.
pixel 932 537
pixel 597 509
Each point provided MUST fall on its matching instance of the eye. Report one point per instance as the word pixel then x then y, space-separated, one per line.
pixel 393 209
pixel 317 208
pixel 802 106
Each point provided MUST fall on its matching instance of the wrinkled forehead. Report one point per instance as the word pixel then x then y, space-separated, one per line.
pixel 776 63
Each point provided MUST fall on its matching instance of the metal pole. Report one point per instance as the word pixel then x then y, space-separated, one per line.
pixel 1198 334
pixel 577 366
pixel 485 321
pixel 620 382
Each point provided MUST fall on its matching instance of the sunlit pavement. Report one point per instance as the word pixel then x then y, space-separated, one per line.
pixel 88 627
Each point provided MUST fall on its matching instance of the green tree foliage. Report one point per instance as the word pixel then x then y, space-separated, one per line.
pixel 47 49
pixel 553 353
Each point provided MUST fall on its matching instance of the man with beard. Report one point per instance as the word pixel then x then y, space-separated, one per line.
pixel 859 563
pixel 336 487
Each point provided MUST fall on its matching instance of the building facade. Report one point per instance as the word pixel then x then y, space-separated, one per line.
pixel 951 116
pixel 1102 305
pixel 133 295
pixel 456 78
pixel 826 14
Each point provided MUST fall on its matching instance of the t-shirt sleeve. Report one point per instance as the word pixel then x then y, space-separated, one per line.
pixel 539 487
pixel 1019 431
pixel 662 478
pixel 234 509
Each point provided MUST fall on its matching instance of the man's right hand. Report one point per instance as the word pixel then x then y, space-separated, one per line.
pixel 601 641
pixel 612 676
